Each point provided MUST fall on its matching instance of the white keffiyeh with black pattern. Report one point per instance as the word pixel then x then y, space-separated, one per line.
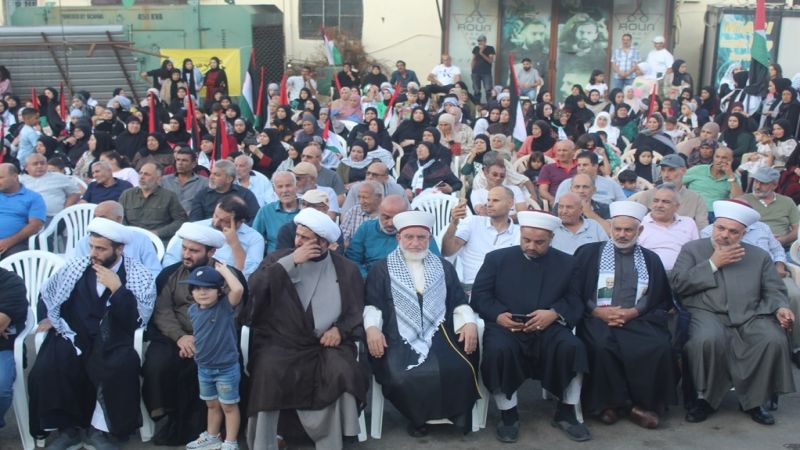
pixel 417 325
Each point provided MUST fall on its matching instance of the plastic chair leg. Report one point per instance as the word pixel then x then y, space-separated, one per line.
pixel 376 425
pixel 362 428
pixel 20 403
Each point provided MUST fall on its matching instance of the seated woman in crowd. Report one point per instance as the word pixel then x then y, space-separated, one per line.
pixel 120 167
pixel 409 133
pixel 353 168
pixel 785 144
pixel 737 137
pixel 426 172
pixel 540 140
pixel 652 136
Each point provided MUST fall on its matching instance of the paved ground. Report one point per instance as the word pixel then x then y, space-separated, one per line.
pixel 728 429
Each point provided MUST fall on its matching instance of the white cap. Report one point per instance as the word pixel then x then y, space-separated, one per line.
pixel 628 208
pixel 538 219
pixel 659 40
pixel 202 234
pixel 736 210
pixel 110 230
pixel 414 219
pixel 318 222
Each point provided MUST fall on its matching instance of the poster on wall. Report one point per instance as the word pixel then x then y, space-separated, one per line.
pixel 643 20
pixel 582 42
pixel 468 20
pixel 735 39
pixel 230 57
pixel 526 33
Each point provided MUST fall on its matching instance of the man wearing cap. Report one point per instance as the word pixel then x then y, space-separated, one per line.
pixel 482 59
pixel 86 374
pixel 306 175
pixel 690 203
pixel 311 199
pixel 529 326
pixel 221 184
pixel 376 238
pixel 170 374
pixel 776 210
pixel 138 248
pixel 421 333
pixel 715 181
pixel 370 194
pixel 475 236
pixel 244 247
pixel 740 314
pixel 660 59
pixel 664 231
pixel 575 229
pixel 631 366
pixel 273 216
pixel 305 317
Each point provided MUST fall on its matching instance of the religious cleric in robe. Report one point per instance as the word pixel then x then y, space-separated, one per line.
pixel 631 362
pixel 421 333
pixel 305 319
pixel 86 374
pixel 536 282
pixel 739 311
pixel 170 385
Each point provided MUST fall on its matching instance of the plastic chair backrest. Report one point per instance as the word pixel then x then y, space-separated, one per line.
pixel 157 243
pixel 76 220
pixel 439 205
pixel 34 267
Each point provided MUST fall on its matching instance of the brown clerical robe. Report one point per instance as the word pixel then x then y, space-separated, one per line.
pixel 289 367
pixel 734 336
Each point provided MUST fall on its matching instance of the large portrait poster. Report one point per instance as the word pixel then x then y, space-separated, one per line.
pixel 735 39
pixel 582 42
pixel 526 33
pixel 468 20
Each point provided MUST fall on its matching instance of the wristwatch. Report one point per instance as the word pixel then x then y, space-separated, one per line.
pixel 731 180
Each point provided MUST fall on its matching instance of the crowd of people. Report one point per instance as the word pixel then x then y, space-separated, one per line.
pixel 637 239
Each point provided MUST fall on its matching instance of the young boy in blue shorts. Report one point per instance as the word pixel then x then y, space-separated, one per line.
pixel 217 354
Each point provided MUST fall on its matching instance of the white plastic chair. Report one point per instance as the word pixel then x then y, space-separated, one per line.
pixel 480 410
pixel 34 267
pixel 76 219
pixel 244 344
pixel 439 205
pixel 157 242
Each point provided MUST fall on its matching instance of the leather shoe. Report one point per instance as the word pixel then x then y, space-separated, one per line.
pixel 644 418
pixel 569 424
pixel 417 432
pixel 609 416
pixel 699 411
pixel 508 433
pixel 761 415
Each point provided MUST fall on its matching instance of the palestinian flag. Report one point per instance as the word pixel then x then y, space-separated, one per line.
pixel 759 56
pixel 248 105
pixel 517 117
pixel 331 52
pixel 333 147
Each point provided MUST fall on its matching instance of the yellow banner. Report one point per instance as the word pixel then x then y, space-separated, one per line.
pixel 230 57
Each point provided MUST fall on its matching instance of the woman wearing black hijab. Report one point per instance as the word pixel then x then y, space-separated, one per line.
pixel 737 137
pixel 409 132
pixel 284 124
pixel 51 147
pixel 156 151
pixel 433 136
pixel 576 93
pixel 78 143
pixel 382 136
pixel 177 131
pixel 269 153
pixel 49 104
pixel 358 131
pixel 652 136
pixel 425 171
pixel 789 109
pixel 132 139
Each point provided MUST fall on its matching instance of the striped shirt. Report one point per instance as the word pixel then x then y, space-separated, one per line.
pixel 626 60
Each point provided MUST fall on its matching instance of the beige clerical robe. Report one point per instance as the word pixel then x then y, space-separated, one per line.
pixel 734 336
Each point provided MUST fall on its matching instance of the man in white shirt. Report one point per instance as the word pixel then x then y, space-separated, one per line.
pixel 297 82
pixel 476 236
pixel 495 174
pixel 660 59
pixel 58 190
pixel 664 231
pixel 258 184
pixel 575 229
pixel 443 76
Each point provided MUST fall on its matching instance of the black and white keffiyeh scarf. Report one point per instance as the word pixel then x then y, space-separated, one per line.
pixel 417 325
pixel 57 290
pixel 608 266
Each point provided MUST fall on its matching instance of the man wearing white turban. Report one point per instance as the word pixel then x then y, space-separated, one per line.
pixel 86 374
pixel 739 311
pixel 170 374
pixel 305 317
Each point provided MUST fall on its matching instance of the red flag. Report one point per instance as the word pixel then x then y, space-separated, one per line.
pixel 34 99
pixel 284 93
pixel 62 104
pixel 390 108
pixel 651 108
pixel 338 83
pixel 191 122
pixel 151 113
pixel 260 101
pixel 222 145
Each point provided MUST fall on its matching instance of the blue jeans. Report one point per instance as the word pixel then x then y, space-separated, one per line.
pixel 620 83
pixel 220 384
pixel 7 376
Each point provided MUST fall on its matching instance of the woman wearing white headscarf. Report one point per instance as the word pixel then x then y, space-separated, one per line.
pixel 602 122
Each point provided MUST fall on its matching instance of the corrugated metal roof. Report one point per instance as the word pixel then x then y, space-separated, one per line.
pixel 32 65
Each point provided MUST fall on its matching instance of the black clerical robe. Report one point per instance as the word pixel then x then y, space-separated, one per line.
pixel 445 385
pixel 63 386
pixel 632 364
pixel 510 282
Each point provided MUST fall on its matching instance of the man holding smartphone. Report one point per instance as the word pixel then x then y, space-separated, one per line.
pixel 528 298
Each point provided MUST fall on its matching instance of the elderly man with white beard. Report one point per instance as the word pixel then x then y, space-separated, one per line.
pixel 421 332
pixel 631 365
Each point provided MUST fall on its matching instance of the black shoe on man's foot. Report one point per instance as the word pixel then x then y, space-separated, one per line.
pixel 417 432
pixel 67 439
pixel 566 420
pixel 761 415
pixel 507 433
pixel 699 411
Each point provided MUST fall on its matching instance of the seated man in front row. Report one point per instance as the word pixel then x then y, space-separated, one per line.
pixel 527 296
pixel 739 313
pixel 415 307
pixel 86 374
pixel 305 315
